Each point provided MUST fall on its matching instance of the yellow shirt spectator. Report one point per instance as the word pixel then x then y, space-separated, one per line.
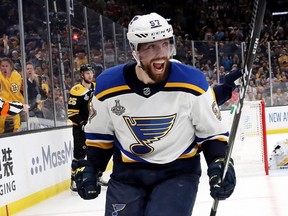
pixel 10 90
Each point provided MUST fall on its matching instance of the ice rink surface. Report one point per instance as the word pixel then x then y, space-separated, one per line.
pixel 254 195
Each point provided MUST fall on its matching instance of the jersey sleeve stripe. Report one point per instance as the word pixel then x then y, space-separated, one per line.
pixel 72 112
pixel 190 153
pixel 126 159
pixel 113 91
pixel 221 137
pixel 97 136
pixel 213 92
pixel 102 145
pixel 186 87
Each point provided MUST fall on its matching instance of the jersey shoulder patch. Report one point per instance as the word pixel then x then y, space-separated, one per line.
pixel 78 90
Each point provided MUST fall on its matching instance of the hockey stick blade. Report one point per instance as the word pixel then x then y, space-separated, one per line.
pixel 256 23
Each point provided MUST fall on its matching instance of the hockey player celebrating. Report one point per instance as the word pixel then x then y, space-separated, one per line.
pixel 155 117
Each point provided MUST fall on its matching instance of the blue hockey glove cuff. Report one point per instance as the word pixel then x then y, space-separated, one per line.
pixel 231 77
pixel 221 190
pixel 86 179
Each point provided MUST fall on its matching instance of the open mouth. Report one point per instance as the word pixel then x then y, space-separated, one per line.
pixel 159 65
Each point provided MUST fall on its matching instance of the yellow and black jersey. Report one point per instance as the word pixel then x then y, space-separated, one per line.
pixel 78 110
pixel 10 88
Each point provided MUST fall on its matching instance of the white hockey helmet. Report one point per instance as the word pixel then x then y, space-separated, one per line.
pixel 148 28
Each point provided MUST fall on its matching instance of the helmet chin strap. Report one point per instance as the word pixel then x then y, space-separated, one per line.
pixel 139 63
pixel 134 53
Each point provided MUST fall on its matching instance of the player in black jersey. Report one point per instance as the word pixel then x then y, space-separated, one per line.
pixel 78 112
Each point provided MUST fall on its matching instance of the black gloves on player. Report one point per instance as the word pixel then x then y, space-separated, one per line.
pixel 231 77
pixel 86 179
pixel 221 189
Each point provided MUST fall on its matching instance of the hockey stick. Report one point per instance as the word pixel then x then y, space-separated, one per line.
pixel 256 23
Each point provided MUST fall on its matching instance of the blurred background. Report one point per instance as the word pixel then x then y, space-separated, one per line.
pixel 57 36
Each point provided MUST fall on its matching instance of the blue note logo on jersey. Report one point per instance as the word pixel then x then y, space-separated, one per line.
pixel 117 208
pixel 148 130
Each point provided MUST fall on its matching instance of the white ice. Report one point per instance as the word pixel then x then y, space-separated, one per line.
pixel 254 195
pixel 258 195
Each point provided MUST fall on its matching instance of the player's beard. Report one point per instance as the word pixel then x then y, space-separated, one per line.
pixel 87 81
pixel 157 78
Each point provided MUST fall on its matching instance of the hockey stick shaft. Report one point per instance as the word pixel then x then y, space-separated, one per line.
pixel 257 19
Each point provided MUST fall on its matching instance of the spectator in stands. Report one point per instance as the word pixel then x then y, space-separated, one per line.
pixel 80 59
pixel 279 98
pixel 45 84
pixel 68 82
pixel 109 53
pixel 259 96
pixel 34 90
pixel 15 57
pixel 39 59
pixel 48 106
pixel 222 73
pixel 283 60
pixel 6 47
pixel 97 65
pixel 252 87
pixel 250 96
pixel 219 34
pixel 10 82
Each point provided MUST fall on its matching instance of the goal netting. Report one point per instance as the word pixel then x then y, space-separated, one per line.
pixel 250 146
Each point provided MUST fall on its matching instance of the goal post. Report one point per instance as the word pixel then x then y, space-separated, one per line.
pixel 250 148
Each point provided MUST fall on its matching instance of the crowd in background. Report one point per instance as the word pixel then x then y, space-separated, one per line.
pixel 202 28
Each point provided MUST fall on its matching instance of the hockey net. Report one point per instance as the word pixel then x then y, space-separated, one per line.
pixel 250 146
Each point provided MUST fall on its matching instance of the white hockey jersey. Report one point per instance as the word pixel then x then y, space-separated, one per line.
pixel 156 123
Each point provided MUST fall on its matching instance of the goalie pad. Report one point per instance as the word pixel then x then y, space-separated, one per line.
pixel 278 159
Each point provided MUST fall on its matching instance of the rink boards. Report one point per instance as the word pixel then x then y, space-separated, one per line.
pixel 36 166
